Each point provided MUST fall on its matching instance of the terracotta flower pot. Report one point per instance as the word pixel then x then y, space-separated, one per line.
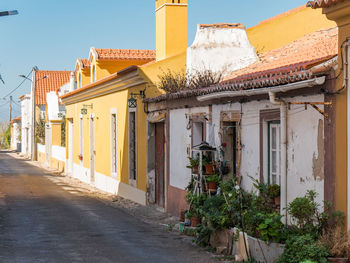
pixel 278 201
pixel 195 169
pixel 338 260
pixel 213 187
pixel 195 221
pixel 80 157
pixel 209 169
pixel 182 216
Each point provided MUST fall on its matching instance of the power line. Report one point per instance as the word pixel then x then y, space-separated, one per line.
pixel 20 84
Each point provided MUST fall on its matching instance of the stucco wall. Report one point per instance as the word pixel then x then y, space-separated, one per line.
pixel 305 144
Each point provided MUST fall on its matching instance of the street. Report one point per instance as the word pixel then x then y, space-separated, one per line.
pixel 42 221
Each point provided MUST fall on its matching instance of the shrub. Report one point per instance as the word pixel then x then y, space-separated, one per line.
pixel 338 242
pixel 306 215
pixel 270 229
pixel 176 81
pixel 302 248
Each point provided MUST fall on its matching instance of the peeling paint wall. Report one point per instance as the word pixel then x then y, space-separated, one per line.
pixel 305 144
pixel 220 50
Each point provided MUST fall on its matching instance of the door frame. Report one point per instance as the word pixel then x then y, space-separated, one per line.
pixel 92 148
pixel 158 191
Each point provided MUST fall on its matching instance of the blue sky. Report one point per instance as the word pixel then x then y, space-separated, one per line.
pixel 52 34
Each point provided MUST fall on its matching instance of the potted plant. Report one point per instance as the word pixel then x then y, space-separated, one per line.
pixel 209 166
pixel 274 192
pixel 194 164
pixel 212 182
pixel 195 219
pixel 188 216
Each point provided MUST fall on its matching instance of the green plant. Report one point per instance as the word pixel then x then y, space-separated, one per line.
pixel 306 215
pixel 203 235
pixel 273 190
pixel 270 229
pixel 40 131
pixel 212 178
pixel 302 248
pixel 194 162
pixel 63 132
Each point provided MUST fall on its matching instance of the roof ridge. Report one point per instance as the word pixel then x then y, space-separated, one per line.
pixel 281 15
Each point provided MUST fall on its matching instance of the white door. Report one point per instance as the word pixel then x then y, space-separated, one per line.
pixel 70 147
pixel 92 149
pixel 275 153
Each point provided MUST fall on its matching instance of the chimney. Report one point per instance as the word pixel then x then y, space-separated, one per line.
pixel 171 28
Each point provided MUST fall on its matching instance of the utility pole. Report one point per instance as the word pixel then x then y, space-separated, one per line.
pixel 10 108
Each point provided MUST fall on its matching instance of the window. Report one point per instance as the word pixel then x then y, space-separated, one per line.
pixel 114 144
pixel 42 112
pixel 197 133
pixel 81 137
pixel 132 148
pixel 274 152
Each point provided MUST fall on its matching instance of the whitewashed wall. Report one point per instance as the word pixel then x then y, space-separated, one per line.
pixel 58 153
pixel 180 140
pixel 220 50
pixel 26 135
pixel 305 144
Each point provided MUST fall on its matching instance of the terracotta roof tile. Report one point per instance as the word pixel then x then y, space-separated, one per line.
pixel 125 54
pixel 223 25
pixel 55 80
pixel 85 62
pixel 323 3
pixel 16 119
pixel 290 63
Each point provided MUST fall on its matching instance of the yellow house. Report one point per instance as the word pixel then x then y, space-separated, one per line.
pixel 339 11
pixel 106 124
pixel 82 70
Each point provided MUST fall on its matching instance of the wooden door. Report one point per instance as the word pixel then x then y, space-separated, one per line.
pixel 160 182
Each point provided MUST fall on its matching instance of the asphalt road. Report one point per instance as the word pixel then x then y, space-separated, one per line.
pixel 41 221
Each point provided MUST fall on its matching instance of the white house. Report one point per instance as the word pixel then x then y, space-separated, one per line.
pixel 270 120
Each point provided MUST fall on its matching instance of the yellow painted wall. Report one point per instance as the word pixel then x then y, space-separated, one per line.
pixel 106 68
pixel 151 72
pixel 340 14
pixel 57 164
pixel 102 111
pixel 284 29
pixel 56 133
pixel 171 28
pixel 85 76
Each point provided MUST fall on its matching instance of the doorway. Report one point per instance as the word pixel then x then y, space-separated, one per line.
pixel 70 147
pixel 92 149
pixel 159 164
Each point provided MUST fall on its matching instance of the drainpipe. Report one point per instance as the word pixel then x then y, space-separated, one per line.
pixel 283 107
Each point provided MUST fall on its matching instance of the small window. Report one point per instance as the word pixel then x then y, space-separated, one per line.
pixel 93 73
pixel 42 112
pixel 274 153
pixel 198 135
